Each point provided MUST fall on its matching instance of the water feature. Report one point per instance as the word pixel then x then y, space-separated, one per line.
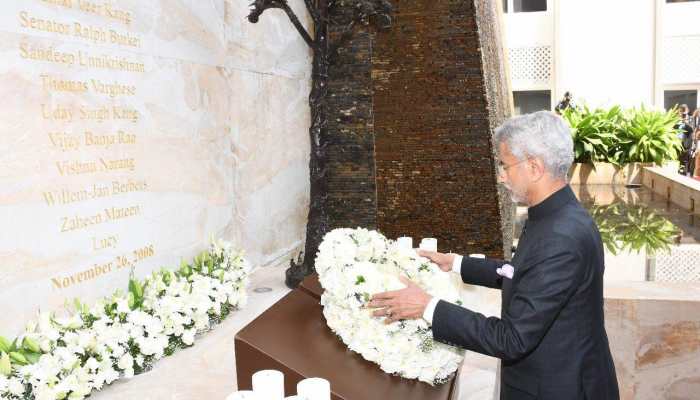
pixel 646 237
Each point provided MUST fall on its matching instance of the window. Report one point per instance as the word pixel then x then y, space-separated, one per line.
pixel 505 6
pixel 526 102
pixel 529 5
pixel 674 98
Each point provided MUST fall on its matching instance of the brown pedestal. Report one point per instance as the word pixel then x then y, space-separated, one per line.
pixel 312 286
pixel 292 337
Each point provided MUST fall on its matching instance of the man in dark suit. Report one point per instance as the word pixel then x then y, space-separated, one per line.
pixel 551 335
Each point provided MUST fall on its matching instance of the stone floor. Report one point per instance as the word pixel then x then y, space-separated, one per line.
pixel 207 370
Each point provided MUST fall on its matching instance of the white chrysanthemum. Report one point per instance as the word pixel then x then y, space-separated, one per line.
pixel 15 386
pixel 353 265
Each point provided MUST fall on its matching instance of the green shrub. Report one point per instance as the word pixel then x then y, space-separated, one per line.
pixel 595 132
pixel 620 136
pixel 649 136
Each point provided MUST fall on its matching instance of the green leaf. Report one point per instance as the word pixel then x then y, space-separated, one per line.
pixel 31 345
pixel 18 358
pixel 131 301
pixel 5 344
pixel 136 288
pixel 32 358
pixel 5 364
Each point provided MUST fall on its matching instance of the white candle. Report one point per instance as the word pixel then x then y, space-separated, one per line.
pixel 314 389
pixel 268 384
pixel 243 395
pixel 477 255
pixel 293 398
pixel 429 244
pixel 405 242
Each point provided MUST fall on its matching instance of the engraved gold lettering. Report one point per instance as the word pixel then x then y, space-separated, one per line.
pixel 64 141
pixel 125 113
pixel 50 83
pixel 62 3
pixel 95 35
pixel 116 213
pixel 99 114
pixel 68 168
pixel 89 274
pixel 112 89
pixel 124 39
pixel 57 113
pixel 46 25
pixel 78 222
pixel 120 164
pixel 39 53
pixel 104 242
pixel 105 61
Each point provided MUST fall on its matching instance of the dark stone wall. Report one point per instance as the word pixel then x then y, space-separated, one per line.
pixel 352 193
pixel 411 115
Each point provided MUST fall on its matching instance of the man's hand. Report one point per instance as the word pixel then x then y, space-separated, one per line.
pixel 408 303
pixel 444 261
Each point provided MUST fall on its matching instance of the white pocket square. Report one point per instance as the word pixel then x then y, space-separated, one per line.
pixel 506 270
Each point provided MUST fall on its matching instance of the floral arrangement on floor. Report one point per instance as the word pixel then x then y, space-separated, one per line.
pixel 125 334
pixel 353 265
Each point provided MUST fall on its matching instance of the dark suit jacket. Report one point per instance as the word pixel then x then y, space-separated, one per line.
pixel 551 335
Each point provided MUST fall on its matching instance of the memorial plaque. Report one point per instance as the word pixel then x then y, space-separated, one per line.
pixel 292 336
pixel 113 122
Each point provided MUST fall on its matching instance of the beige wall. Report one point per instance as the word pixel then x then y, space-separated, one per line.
pixel 217 143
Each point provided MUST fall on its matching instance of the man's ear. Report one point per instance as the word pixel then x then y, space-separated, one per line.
pixel 537 168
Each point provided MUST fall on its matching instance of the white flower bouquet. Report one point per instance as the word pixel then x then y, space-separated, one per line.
pixel 123 335
pixel 353 265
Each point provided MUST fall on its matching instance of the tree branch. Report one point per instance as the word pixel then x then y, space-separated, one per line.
pixel 300 28
pixel 311 8
pixel 259 6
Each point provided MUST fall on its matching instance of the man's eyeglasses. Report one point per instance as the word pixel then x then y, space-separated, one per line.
pixel 502 168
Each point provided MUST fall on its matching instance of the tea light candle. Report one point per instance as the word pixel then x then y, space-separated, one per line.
pixel 314 389
pixel 243 395
pixel 429 244
pixel 405 242
pixel 268 384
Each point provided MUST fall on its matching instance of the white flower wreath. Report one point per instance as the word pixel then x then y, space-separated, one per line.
pixel 125 334
pixel 353 265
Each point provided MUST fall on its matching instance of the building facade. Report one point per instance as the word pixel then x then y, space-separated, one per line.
pixel 627 52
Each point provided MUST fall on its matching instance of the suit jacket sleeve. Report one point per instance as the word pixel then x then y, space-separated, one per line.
pixel 546 282
pixel 481 271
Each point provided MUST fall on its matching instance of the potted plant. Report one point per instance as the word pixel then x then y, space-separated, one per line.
pixel 611 146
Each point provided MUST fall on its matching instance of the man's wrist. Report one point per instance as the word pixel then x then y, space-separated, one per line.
pixel 430 310
pixel 457 264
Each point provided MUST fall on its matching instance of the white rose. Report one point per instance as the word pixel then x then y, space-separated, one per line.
pixel 92 364
pixel 188 337
pixel 126 361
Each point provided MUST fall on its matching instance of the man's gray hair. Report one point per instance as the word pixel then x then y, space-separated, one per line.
pixel 542 135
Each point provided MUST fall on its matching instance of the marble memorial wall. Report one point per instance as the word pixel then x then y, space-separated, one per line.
pixel 132 132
